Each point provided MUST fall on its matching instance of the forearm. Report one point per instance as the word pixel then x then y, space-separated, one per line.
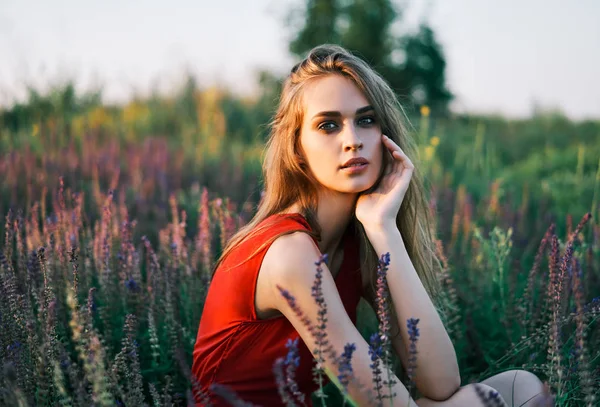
pixel 363 382
pixel 436 375
pixel 361 388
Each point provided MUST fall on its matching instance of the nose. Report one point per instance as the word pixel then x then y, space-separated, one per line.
pixel 351 139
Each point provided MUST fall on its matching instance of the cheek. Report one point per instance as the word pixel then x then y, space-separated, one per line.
pixel 317 156
pixel 317 149
pixel 310 154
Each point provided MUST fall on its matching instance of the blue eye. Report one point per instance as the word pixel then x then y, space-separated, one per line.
pixel 371 118
pixel 369 121
pixel 322 126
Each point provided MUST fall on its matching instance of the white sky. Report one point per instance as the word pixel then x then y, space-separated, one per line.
pixel 501 55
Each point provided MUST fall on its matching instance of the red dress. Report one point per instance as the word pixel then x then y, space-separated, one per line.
pixel 234 348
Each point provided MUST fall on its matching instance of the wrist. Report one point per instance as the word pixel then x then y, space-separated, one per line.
pixel 383 234
pixel 381 227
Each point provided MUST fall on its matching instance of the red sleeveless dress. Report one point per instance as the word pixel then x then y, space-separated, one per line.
pixel 234 348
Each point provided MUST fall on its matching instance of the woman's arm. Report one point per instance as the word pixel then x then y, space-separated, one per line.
pixel 290 264
pixel 437 374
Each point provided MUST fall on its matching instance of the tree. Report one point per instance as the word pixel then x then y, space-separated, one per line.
pixel 413 64
pixel 367 30
pixel 319 26
pixel 426 66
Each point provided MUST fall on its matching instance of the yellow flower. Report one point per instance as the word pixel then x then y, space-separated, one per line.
pixel 435 141
pixel 425 110
pixel 134 113
pixel 36 130
pixel 78 125
pixel 429 150
pixel 98 118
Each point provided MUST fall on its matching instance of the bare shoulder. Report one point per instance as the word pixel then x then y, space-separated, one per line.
pixel 288 255
pixel 276 266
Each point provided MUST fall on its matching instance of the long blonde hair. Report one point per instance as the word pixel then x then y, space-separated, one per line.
pixel 288 180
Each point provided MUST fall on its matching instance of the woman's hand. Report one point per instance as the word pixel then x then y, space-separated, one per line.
pixel 381 207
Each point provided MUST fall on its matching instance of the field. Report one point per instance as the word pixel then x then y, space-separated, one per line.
pixel 113 215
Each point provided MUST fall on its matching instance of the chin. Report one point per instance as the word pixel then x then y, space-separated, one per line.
pixel 358 187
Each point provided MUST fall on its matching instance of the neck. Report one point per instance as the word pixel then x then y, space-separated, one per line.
pixel 334 212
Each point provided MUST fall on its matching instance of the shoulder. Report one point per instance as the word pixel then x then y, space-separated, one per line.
pixel 288 256
pixel 291 272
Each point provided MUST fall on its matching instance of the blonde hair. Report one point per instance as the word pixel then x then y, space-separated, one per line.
pixel 288 180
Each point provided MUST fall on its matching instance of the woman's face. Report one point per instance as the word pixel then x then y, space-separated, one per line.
pixel 339 125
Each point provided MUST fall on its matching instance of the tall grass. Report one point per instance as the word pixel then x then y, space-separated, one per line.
pixel 108 235
pixel 92 314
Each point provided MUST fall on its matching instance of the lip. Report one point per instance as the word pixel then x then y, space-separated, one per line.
pixel 355 160
pixel 355 168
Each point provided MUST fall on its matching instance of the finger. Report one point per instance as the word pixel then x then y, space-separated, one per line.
pixel 391 145
pixel 387 145
pixel 396 163
pixel 401 160
pixel 397 152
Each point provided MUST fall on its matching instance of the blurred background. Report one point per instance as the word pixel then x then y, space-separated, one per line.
pixel 507 58
pixel 201 73
pixel 138 127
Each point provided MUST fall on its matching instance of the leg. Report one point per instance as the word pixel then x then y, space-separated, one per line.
pixel 465 396
pixel 519 388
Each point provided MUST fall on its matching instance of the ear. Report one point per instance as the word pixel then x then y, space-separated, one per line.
pixel 299 153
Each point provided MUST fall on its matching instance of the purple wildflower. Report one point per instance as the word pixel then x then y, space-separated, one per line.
pixel 383 301
pixel 93 306
pixel 14 345
pixel 322 259
pixel 291 300
pixel 320 333
pixel 346 365
pixel 292 356
pixel 132 285
pixel 594 303
pixel 413 335
pixel 383 298
pixel 280 381
pixel 375 351
pixel 292 361
pixel 413 331
pixel 490 399
pixel 375 348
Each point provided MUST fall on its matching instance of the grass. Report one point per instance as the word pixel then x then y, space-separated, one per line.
pixel 109 235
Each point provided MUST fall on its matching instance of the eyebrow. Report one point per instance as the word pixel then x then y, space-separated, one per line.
pixel 338 114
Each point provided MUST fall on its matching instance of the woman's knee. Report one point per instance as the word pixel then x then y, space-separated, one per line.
pixel 516 386
pixel 475 394
pixel 515 375
pixel 486 395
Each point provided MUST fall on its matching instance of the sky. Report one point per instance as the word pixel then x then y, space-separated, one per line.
pixel 502 56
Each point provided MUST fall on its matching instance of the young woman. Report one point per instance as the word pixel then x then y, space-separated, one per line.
pixel 338 181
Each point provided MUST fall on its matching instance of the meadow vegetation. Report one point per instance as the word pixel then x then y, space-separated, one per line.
pixel 113 215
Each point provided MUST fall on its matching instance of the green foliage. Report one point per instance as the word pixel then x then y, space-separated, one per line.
pixel 133 303
pixel 413 63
